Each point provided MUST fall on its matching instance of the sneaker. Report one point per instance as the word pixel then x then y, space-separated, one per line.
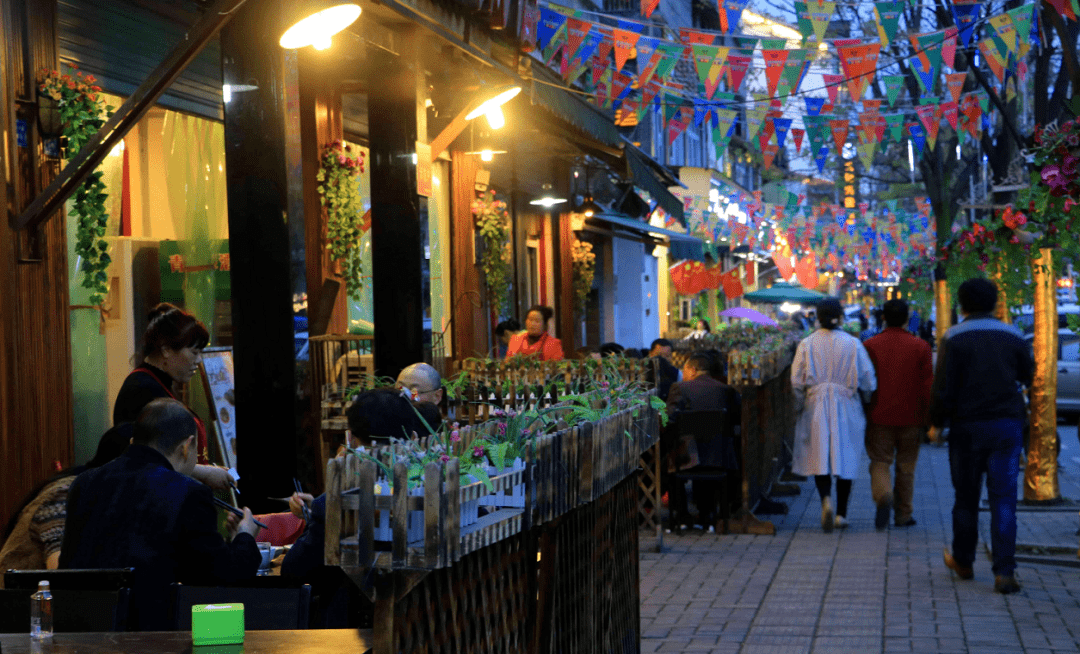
pixel 840 522
pixel 881 517
pixel 1006 584
pixel 961 571
pixel 827 520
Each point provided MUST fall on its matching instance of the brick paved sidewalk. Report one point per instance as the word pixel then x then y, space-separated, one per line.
pixel 856 590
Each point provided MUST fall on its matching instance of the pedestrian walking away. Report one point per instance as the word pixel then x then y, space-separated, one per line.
pixel 899 412
pixel 980 363
pixel 830 370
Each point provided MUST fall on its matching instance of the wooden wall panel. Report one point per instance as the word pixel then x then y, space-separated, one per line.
pixel 320 124
pixel 466 291
pixel 36 414
pixel 564 284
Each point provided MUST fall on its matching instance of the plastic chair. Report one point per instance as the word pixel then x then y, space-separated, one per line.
pixel 74 611
pixel 265 608
pixel 708 455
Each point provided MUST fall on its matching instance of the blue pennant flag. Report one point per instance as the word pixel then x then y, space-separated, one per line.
pixel 814 105
pixel 918 135
pixel 700 109
pixel 630 26
pixel 926 77
pixel 823 154
pixel 550 22
pixel 965 17
pixel 782 126
pixel 840 218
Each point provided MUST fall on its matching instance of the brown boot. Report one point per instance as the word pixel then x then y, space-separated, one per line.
pixel 950 563
pixel 1006 584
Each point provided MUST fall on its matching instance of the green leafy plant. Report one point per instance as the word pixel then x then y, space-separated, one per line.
pixel 83 112
pixel 584 270
pixel 339 193
pixel 493 225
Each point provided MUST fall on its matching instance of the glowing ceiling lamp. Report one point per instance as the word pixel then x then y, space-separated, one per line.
pixel 492 107
pixel 547 201
pixel 316 22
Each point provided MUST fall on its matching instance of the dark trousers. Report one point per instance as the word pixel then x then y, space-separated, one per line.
pixel 990 447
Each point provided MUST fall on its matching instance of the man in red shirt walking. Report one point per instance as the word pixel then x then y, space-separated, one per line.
pixel 898 413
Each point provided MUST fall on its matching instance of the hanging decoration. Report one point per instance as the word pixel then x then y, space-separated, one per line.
pixel 339 193
pixel 493 227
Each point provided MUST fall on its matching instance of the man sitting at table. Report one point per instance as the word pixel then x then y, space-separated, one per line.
pixel 143 511
pixel 423 382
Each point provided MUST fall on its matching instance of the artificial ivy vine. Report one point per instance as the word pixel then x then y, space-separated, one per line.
pixel 83 112
pixel 493 224
pixel 339 193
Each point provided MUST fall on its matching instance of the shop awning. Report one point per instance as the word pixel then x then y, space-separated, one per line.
pixel 687 247
pixel 574 110
pixel 641 168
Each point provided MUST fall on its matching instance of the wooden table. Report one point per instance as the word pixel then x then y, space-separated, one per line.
pixel 308 641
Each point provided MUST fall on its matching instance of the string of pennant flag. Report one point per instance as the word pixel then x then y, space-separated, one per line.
pixel 574 46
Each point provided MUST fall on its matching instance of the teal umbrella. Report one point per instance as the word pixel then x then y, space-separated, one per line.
pixel 781 292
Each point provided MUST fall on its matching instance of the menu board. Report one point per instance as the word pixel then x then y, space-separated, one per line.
pixel 218 379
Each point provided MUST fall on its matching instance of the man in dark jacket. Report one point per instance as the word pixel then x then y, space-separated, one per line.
pixel 660 350
pixel 143 511
pixel 898 413
pixel 698 391
pixel 980 366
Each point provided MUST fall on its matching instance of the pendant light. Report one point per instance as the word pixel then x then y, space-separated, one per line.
pixel 314 22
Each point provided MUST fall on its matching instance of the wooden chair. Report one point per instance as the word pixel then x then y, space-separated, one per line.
pixel 704 452
pixel 265 607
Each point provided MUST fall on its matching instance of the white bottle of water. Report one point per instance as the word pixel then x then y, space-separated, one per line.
pixel 41 623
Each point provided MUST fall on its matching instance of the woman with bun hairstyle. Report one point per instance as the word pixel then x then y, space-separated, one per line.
pixel 535 340
pixel 171 349
pixel 830 371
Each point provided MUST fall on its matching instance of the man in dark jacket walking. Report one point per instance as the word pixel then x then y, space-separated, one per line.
pixel 980 365
pixel 898 413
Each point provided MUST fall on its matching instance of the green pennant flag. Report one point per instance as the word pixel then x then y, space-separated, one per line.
pixel 756 116
pixel 773 44
pixel 672 53
pixel 814 18
pixel 893 85
pixel 887 15
pixel 866 154
pixel 792 73
pixel 929 46
pixel 1021 19
pixel 896 127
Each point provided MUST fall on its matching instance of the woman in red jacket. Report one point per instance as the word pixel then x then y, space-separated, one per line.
pixel 535 340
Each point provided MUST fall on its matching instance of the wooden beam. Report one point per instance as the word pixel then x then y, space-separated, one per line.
pixel 442 142
pixel 136 106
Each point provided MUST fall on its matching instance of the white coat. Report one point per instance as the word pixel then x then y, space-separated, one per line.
pixel 830 368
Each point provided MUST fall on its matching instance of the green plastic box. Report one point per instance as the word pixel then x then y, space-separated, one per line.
pixel 217 624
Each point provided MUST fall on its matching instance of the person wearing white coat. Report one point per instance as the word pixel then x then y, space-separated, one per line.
pixel 830 370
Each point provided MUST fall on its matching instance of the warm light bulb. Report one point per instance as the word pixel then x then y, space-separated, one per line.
pixel 588 213
pixel 486 155
pixel 316 29
pixel 495 118
pixel 226 92
pixel 484 109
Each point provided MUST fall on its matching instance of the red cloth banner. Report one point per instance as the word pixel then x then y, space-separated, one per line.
pixel 733 288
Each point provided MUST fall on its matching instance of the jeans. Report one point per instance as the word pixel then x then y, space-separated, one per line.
pixel 990 447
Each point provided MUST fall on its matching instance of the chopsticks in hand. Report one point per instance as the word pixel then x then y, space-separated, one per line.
pixel 303 506
pixel 235 511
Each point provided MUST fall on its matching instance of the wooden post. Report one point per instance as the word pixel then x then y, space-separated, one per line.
pixel 1041 474
pixel 467 303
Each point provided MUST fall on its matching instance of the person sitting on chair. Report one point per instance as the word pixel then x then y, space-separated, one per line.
pixel 423 382
pixel 144 511
pixel 698 391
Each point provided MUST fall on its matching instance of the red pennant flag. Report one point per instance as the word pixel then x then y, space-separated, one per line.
pixel 736 68
pixel 871 105
pixel 806 271
pixel 928 115
pixel 955 82
pixel 576 31
pixel 623 41
pixel 832 85
pixel 733 288
pixel 839 129
pixel 798 134
pixel 858 61
pixel 649 6
pixel 948 47
pixel 696 37
pixel 774 67
pixel 739 232
pixel 769 153
pixel 751 274
pixel 951 111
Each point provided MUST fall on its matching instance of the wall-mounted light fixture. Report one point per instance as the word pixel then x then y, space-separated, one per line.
pixel 314 22
pixel 492 107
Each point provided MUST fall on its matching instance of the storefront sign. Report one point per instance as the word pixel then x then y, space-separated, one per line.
pixel 423 169
pixel 21 133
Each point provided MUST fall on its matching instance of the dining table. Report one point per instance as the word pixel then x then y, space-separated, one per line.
pixel 299 641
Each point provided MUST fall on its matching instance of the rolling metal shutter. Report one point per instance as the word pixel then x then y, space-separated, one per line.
pixel 121 41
